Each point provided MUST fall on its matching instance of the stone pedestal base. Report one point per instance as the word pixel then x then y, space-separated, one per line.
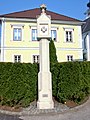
pixel 45 91
pixel 45 105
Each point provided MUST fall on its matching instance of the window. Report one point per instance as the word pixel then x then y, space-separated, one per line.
pixel 17 33
pixel 69 57
pixel 53 35
pixel 34 34
pixel 68 36
pixel 17 58
pixel 35 58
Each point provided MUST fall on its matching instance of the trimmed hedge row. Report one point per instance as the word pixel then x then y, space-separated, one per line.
pixel 18 83
pixel 71 80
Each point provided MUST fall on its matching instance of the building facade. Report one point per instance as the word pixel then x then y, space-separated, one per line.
pixel 19 37
pixel 86 35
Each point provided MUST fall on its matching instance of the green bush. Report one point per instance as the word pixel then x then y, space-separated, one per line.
pixel 55 72
pixel 18 83
pixel 71 81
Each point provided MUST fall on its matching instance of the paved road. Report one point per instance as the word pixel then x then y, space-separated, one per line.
pixel 80 113
pixel 9 117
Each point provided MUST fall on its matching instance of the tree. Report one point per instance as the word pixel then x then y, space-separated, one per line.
pixel 52 52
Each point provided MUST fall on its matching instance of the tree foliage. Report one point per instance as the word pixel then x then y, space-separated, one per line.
pixel 52 52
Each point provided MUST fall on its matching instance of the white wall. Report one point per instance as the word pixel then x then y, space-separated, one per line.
pixel 86 39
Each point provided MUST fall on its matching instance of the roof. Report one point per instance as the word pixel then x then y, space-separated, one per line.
pixel 86 26
pixel 31 14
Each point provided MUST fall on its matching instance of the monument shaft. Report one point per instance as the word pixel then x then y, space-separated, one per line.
pixel 44 76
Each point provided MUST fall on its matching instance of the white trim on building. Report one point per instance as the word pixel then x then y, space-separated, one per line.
pixel 2 39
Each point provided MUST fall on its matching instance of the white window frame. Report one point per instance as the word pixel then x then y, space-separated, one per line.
pixel 35 58
pixel 17 32
pixel 33 28
pixel 17 59
pixel 17 26
pixel 52 36
pixel 69 30
pixel 56 29
pixel 69 57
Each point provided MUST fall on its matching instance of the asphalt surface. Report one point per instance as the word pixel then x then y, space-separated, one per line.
pixel 9 117
pixel 81 112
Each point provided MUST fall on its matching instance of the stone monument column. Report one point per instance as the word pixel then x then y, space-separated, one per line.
pixel 44 76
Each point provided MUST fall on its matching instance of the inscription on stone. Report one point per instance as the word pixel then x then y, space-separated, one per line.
pixel 45 95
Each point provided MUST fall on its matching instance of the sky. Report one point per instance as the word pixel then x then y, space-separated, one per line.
pixel 71 8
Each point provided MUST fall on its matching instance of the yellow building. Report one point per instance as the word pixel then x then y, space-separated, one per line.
pixel 19 36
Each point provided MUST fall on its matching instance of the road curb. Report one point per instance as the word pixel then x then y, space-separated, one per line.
pixel 27 113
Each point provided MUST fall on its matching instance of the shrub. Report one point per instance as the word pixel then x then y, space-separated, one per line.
pixel 52 52
pixel 71 81
pixel 17 83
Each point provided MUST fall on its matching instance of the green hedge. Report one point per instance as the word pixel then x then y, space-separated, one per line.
pixel 71 80
pixel 18 83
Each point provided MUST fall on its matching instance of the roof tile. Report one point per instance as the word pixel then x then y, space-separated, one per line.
pixel 31 14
